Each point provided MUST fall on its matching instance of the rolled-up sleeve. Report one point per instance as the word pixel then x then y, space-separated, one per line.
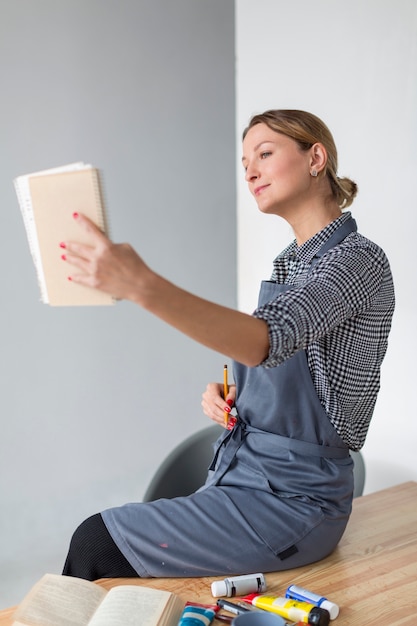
pixel 341 285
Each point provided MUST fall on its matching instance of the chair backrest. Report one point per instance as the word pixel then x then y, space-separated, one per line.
pixel 185 468
pixel 359 473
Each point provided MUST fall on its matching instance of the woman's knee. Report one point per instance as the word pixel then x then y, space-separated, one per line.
pixel 81 553
pixel 93 554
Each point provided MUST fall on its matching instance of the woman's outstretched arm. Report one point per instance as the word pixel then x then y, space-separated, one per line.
pixel 118 270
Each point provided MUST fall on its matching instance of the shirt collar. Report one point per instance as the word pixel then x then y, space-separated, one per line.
pixel 309 249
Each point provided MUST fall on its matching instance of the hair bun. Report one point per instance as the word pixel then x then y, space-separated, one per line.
pixel 344 190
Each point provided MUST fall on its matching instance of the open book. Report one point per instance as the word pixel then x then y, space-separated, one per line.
pixel 47 201
pixel 66 601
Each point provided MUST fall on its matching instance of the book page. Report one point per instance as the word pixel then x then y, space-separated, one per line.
pixel 128 605
pixel 59 601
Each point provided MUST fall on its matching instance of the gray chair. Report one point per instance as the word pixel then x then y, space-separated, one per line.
pixel 359 473
pixel 185 468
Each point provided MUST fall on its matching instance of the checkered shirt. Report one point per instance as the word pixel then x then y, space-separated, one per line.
pixel 340 312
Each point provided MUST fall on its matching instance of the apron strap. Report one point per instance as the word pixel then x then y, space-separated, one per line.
pixel 337 237
pixel 237 434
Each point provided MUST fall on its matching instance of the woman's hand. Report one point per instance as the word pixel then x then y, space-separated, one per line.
pixel 215 406
pixel 114 268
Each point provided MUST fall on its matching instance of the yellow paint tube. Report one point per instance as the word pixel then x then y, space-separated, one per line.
pixel 293 610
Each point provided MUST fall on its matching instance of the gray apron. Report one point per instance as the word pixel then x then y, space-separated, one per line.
pixel 278 492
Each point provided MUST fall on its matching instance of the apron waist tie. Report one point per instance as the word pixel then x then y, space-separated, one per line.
pixel 303 447
pixel 242 429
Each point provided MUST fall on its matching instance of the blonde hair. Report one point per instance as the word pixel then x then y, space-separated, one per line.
pixel 307 129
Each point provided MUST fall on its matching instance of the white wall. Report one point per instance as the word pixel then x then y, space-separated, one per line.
pixel 354 64
pixel 93 398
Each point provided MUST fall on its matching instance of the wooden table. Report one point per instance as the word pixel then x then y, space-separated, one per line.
pixel 372 575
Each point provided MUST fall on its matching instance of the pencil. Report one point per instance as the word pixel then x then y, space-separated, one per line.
pixel 225 392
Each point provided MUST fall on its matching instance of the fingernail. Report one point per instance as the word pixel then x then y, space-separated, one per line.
pixel 232 421
pixel 230 402
pixel 62 245
pixel 227 409
pixel 69 278
pixel 75 215
pixel 63 257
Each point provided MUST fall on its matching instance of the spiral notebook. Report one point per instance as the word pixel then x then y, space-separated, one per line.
pixel 47 202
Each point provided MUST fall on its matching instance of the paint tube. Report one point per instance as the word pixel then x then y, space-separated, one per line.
pixel 294 610
pixel 238 585
pixel 299 593
pixel 195 614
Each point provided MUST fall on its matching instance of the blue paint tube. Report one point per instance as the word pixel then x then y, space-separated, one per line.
pixel 198 614
pixel 299 593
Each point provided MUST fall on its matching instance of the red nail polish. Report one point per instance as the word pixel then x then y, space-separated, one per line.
pixel 63 257
pixel 75 215
pixel 227 409
pixel 62 245
pixel 69 278
pixel 230 402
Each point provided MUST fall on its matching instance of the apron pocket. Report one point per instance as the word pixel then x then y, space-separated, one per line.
pixel 280 522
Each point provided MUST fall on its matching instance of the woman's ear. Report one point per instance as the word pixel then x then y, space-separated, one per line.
pixel 318 158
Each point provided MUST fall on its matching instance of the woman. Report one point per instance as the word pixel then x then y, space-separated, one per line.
pixel 307 366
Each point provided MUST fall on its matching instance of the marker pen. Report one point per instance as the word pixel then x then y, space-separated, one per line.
pixel 293 610
pixel 299 593
pixel 237 609
pixel 248 607
pixel 224 618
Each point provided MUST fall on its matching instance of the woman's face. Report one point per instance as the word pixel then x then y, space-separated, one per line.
pixel 277 171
